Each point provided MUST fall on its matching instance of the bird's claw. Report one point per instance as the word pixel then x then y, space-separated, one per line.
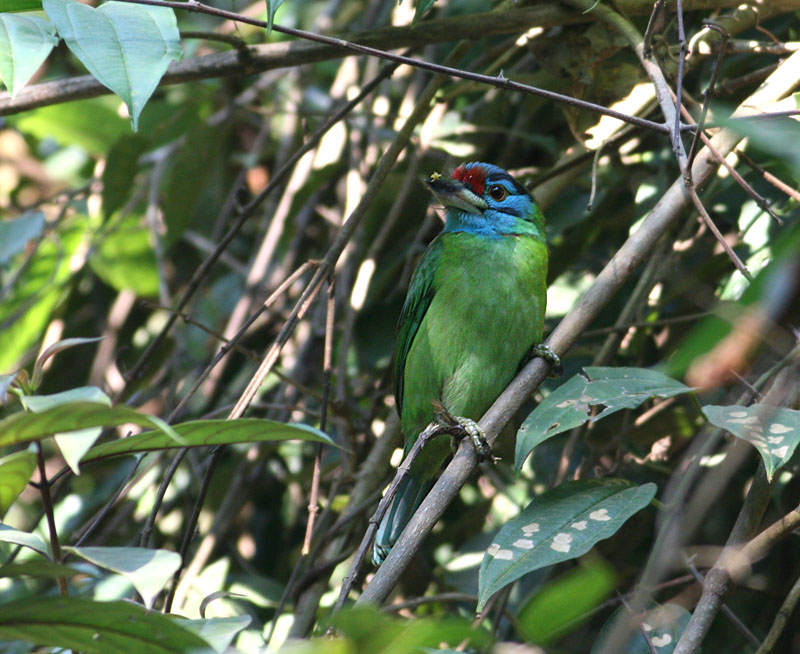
pixel 465 427
pixel 543 351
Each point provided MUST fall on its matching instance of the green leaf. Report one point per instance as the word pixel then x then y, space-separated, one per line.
pixel 92 124
pixel 25 42
pixel 148 570
pixel 559 525
pixel 52 350
pixel 569 405
pixel 773 431
pixel 15 473
pixel 126 47
pixel 422 7
pixel 664 626
pixel 210 432
pixel 272 7
pixel 186 184
pixel 22 5
pixel 125 259
pixel 15 233
pixel 37 568
pixel 28 308
pixel 73 444
pixel 11 535
pixel 564 603
pixel 122 164
pixel 25 427
pixel 218 632
pixel 96 627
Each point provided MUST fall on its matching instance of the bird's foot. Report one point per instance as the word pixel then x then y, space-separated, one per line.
pixel 465 427
pixel 543 351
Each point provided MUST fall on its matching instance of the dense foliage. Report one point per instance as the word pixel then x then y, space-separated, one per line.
pixel 210 215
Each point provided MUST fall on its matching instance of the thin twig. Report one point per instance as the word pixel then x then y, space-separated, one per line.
pixel 245 214
pixel 431 431
pixel 47 503
pixel 498 81
pixel 715 68
pixel 313 501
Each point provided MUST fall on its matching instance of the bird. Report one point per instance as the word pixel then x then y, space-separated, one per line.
pixel 474 312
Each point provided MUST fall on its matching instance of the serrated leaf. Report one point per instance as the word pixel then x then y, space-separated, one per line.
pixel 773 431
pixel 664 626
pixel 559 525
pixel 15 233
pixel 25 427
pixel 147 570
pixel 32 541
pixel 15 473
pixel 96 627
pixel 25 42
pixel 126 47
pixel 569 405
pixel 217 632
pixel 199 433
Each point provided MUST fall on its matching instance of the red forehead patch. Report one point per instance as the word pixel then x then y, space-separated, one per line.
pixel 474 177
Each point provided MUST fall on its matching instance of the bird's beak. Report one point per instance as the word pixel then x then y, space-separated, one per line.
pixel 453 193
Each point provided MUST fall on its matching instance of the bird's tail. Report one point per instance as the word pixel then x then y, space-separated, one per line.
pixel 409 496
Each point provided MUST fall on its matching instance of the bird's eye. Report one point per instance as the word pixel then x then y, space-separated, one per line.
pixel 497 193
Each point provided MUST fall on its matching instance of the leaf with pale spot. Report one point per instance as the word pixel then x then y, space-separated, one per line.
pixel 773 431
pixel 560 525
pixel 570 404
pixel 663 625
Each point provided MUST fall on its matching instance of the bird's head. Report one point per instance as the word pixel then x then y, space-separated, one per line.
pixel 483 199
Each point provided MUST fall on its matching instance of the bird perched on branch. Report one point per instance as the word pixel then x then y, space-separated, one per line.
pixel 474 311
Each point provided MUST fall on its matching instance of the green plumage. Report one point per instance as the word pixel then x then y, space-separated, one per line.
pixel 474 310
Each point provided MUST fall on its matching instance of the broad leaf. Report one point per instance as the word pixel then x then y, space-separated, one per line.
pixel 422 7
pixel 37 568
pixel 773 431
pixel 126 47
pixel 15 473
pixel 11 535
pixel 218 632
pixel 55 348
pixel 272 7
pixel 73 444
pixel 567 601
pixel 559 525
pixel 96 627
pixel 200 433
pixel 15 233
pixel 569 405
pixel 25 427
pixel 25 42
pixel 148 570
pixel 664 626
pixel 125 259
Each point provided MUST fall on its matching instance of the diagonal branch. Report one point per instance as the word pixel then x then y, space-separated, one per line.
pixel 632 253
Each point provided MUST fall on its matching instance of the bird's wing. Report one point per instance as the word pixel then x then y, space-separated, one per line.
pixel 420 293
